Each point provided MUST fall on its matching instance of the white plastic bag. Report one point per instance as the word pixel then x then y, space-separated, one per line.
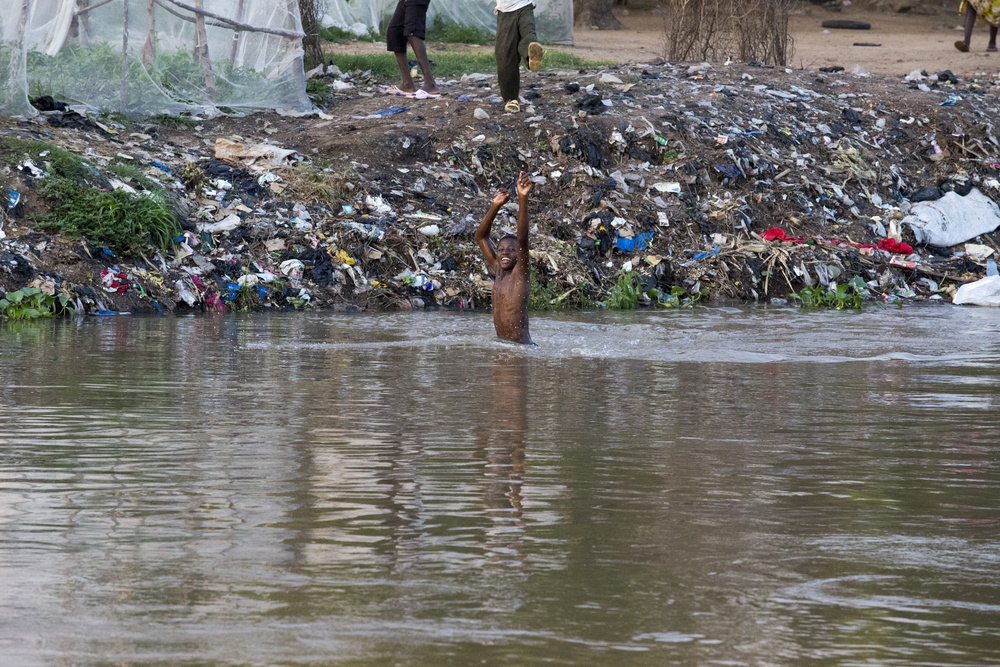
pixel 984 292
pixel 953 219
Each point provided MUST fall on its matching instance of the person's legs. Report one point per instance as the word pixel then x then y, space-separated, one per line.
pixel 508 61
pixel 420 51
pixel 970 22
pixel 528 48
pixel 993 39
pixel 406 80
pixel 415 29
pixel 395 42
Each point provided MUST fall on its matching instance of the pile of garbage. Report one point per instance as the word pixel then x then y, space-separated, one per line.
pixel 692 182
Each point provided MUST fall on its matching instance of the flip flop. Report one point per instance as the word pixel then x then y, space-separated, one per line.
pixel 422 94
pixel 398 92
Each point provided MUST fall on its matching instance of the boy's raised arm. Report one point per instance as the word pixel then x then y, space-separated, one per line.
pixel 483 232
pixel 523 188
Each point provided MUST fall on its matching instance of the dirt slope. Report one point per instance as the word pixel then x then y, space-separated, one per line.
pixel 672 171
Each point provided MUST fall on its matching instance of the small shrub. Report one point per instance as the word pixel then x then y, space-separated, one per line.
pixel 835 296
pixel 675 298
pixel 625 293
pixel 32 303
pixel 127 224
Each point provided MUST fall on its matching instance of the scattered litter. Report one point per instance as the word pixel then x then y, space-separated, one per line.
pixel 382 113
pixel 730 183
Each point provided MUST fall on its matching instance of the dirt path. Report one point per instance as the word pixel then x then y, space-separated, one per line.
pixel 907 42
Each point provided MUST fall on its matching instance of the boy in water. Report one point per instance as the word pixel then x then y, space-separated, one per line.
pixel 509 263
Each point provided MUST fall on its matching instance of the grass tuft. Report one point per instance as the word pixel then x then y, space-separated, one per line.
pixel 125 223
pixel 449 64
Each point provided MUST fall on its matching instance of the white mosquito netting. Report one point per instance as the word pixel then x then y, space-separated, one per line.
pixel 553 18
pixel 178 54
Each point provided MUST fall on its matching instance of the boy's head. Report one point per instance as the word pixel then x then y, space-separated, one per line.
pixel 507 252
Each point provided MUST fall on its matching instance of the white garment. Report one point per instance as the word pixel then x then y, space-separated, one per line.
pixel 511 5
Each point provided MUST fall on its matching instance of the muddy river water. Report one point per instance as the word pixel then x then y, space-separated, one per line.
pixel 705 487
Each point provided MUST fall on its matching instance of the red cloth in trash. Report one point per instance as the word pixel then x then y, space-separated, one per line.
pixel 778 234
pixel 892 245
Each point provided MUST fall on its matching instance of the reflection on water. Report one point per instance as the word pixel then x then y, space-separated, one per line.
pixel 717 486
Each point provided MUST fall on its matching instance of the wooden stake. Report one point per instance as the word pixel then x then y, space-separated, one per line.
pixel 124 81
pixel 201 48
pixel 299 66
pixel 237 34
pixel 151 19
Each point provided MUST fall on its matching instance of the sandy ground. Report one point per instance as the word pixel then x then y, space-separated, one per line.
pixel 906 42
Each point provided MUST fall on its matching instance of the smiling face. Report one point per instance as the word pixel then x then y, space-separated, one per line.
pixel 507 253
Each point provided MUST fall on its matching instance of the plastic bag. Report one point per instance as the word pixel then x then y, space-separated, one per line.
pixel 953 219
pixel 983 292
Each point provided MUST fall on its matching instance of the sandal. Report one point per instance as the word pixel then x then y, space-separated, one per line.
pixel 512 107
pixel 398 92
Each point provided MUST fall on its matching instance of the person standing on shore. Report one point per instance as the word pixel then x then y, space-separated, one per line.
pixel 510 264
pixel 408 26
pixel 516 42
pixel 988 11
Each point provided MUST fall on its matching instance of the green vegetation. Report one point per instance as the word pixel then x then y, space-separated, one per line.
pixel 319 91
pixel 449 63
pixel 127 224
pixel 840 297
pixel 31 303
pixel 335 34
pixel 246 298
pixel 57 161
pixel 453 33
pixel 625 293
pixel 544 297
pixel 675 299
pixel 180 121
pixel 130 173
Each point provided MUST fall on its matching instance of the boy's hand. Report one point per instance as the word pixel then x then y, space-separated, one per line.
pixel 502 197
pixel 523 185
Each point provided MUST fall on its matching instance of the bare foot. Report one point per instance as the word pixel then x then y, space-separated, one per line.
pixel 992 48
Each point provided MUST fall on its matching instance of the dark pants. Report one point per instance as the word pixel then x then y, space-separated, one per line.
pixel 409 19
pixel 515 31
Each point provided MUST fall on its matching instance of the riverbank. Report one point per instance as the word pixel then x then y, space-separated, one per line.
pixel 653 183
